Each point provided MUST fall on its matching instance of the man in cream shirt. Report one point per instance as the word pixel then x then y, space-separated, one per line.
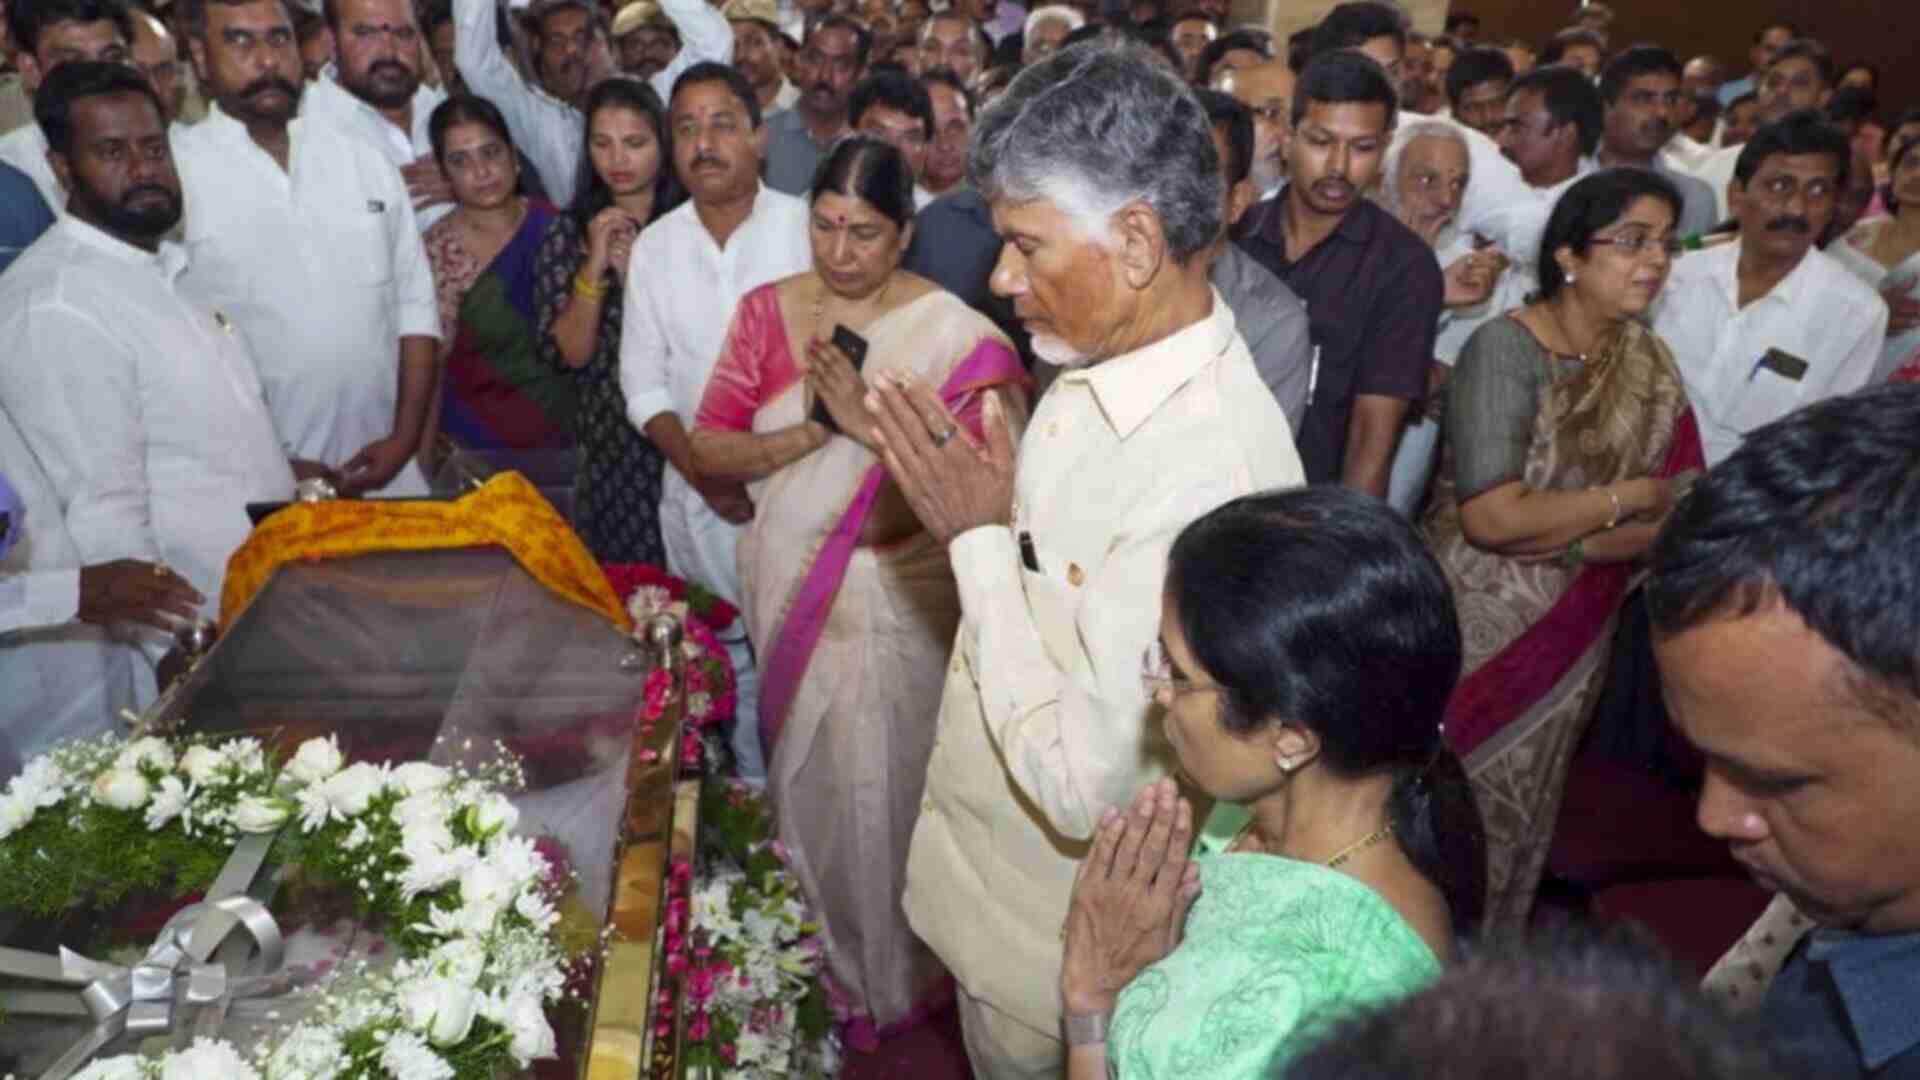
pixel 1159 418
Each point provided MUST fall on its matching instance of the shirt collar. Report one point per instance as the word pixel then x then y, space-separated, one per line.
pixel 1787 290
pixel 1355 227
pixel 1129 388
pixel 1877 981
pixel 168 261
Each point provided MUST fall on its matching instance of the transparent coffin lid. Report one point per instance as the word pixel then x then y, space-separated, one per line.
pixel 441 655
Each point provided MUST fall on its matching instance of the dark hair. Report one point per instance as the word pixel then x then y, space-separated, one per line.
pixel 1632 63
pixel 1748 98
pixel 1229 113
pixel 706 71
pixel 868 168
pixel 862 37
pixel 542 10
pixel 1594 202
pixel 307 25
pixel 1820 509
pixel 1459 19
pixel 1706 107
pixel 1475 66
pixel 1801 48
pixel 1850 105
pixel 895 90
pixel 464 109
pixel 1801 132
pixel 1570 98
pixel 1760 35
pixel 950 78
pixel 194 13
pixel 1258 41
pixel 1446 41
pixel 1299 49
pixel 1353 24
pixel 591 193
pixel 1558 44
pixel 76 79
pixel 28 19
pixel 1577 1002
pixel 1323 608
pixel 1898 151
pixel 1344 77
pixel 435 15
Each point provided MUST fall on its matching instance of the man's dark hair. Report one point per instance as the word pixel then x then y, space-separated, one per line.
pixel 28 19
pixel 1821 511
pixel 1577 1003
pixel 1344 77
pixel 194 13
pixel 1797 133
pixel 706 71
pixel 1760 35
pixel 1570 98
pixel 1300 49
pixel 435 15
pixel 1850 105
pixel 1558 44
pixel 895 90
pixel 77 79
pixel 862 37
pixel 1461 18
pixel 1476 66
pixel 950 78
pixel 1632 63
pixel 1807 49
pixel 542 10
pixel 1235 120
pixel 1353 24
pixel 307 25
pixel 1258 41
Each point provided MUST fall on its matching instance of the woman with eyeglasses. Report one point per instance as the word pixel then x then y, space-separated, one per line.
pixel 1568 438
pixel 1307 647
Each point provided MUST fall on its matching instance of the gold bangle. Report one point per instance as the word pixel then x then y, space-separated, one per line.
pixel 1615 519
pixel 587 289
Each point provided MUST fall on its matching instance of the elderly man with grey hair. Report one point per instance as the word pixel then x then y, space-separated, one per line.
pixel 1101 173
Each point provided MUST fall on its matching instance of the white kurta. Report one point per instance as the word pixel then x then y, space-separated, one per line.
pixel 140 403
pixel 327 102
pixel 322 266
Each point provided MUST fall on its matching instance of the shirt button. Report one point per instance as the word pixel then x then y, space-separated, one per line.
pixel 1075 575
pixel 926 806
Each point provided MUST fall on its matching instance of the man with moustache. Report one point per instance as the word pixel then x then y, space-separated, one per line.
pixel 951 40
pixel 372 93
pixel 952 123
pixel 308 241
pixel 1372 287
pixel 832 60
pixel 1767 324
pixel 1641 88
pixel 1799 76
pixel 731 236
pixel 894 106
pixel 646 39
pixel 1267 90
pixel 545 118
pixel 154 54
pixel 139 404
pixel 46 34
pixel 756 53
pixel 1477 90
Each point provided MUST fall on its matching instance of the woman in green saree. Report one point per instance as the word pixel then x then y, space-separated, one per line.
pixel 1308 645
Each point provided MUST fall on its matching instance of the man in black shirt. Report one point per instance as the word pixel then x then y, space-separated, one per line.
pixel 1373 288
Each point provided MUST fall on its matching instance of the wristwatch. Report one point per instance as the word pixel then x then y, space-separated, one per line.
pixel 1085 1029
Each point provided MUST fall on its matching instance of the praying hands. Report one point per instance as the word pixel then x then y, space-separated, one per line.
pixel 952 482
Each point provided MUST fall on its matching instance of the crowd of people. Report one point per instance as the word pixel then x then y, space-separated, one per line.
pixel 1187 491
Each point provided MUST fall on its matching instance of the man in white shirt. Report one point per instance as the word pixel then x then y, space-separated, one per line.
pixel 307 239
pixel 1800 76
pixel 687 272
pixel 372 92
pixel 46 34
pixel 140 403
pixel 545 119
pixel 1061 556
pixel 1770 323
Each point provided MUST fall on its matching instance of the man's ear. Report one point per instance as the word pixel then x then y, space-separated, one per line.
pixel 1239 197
pixel 29 65
pixel 1142 243
pixel 62 170
pixel 197 51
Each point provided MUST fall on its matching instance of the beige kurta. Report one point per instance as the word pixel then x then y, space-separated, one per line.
pixel 1044 721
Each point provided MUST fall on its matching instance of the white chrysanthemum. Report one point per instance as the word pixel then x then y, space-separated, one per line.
pixel 41 784
pixel 439 1008
pixel 461 960
pixel 407 1057
pixel 314 808
pixel 146 751
pixel 309 1052
pixel 416 777
pixel 535 908
pixel 423 808
pixel 203 764
pixel 526 1021
pixel 122 789
pixel 122 1067
pixel 246 754
pixel 15 814
pixel 491 816
pixel 351 789
pixel 258 814
pixel 518 861
pixel 205 1060
pixel 316 760
pixel 169 801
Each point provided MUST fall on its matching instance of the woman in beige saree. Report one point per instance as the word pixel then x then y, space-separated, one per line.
pixel 853 603
pixel 1568 437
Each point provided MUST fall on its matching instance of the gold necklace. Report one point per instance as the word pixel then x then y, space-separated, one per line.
pixel 1339 857
pixel 1554 311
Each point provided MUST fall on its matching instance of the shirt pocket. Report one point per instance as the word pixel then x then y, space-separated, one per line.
pixel 351 246
pixel 1053 598
pixel 1765 396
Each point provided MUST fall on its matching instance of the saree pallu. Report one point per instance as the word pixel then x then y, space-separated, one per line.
pixel 1536 631
pixel 496 393
pixel 853 640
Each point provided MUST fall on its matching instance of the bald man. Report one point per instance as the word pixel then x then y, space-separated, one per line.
pixel 1267 89
pixel 157 57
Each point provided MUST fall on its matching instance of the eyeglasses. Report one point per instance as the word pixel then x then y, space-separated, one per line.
pixel 1156 673
pixel 1639 243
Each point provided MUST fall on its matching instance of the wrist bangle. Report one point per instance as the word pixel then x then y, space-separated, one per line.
pixel 1085 1029
pixel 586 288
pixel 1615 518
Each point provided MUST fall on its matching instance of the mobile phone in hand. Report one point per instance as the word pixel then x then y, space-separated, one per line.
pixel 855 347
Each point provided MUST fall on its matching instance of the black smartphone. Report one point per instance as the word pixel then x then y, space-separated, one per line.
pixel 855 347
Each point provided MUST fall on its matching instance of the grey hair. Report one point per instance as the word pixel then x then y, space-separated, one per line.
pixel 1388 194
pixel 1096 127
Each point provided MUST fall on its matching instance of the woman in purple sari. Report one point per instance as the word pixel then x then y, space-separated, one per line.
pixel 853 604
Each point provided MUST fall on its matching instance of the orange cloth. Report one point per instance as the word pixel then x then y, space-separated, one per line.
pixel 507 512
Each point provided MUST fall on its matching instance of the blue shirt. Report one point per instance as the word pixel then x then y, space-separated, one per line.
pixel 23 214
pixel 1849 1004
